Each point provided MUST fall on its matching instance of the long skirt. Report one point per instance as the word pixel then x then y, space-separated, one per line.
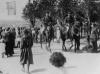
pixel 26 56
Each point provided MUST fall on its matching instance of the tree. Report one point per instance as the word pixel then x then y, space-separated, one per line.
pixel 47 6
pixel 93 12
pixel 29 12
pixel 57 8
pixel 63 7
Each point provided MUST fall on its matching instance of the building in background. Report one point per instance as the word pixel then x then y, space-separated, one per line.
pixel 11 12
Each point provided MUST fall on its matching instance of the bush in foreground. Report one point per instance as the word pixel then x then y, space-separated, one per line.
pixel 57 59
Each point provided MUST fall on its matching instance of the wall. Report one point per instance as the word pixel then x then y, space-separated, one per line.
pixel 4 12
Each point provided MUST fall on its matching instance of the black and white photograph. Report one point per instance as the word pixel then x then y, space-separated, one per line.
pixel 49 36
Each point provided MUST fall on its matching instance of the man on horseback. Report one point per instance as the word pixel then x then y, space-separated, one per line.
pixel 49 31
pixel 66 30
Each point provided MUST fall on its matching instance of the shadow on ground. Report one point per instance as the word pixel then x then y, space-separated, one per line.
pixel 38 70
pixel 70 67
pixel 1 72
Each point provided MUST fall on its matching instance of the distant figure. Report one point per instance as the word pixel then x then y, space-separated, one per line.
pixel 8 43
pixel 26 52
pixel 2 47
pixel 58 34
pixel 76 36
pixel 18 37
pixel 94 39
pixel 12 37
pixel 41 34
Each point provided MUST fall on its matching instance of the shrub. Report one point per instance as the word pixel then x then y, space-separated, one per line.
pixel 57 59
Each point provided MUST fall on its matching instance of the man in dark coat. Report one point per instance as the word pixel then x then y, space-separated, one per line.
pixel 12 37
pixel 7 43
pixel 76 35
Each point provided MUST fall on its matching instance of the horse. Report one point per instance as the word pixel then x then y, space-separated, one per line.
pixel 66 33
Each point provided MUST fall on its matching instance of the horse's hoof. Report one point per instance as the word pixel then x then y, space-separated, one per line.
pixel 75 51
pixel 64 49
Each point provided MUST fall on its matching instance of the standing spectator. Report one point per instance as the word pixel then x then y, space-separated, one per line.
pixel 9 42
pixel 33 33
pixel 88 39
pixel 26 52
pixel 94 39
pixel 18 38
pixel 36 34
pixel 58 34
pixel 76 36
pixel 12 35
pixel 0 32
pixel 41 34
pixel 2 47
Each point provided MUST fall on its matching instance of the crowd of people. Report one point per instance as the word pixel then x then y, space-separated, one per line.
pixel 8 38
pixel 23 38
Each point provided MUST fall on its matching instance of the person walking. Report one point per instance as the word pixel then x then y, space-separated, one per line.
pixel 26 52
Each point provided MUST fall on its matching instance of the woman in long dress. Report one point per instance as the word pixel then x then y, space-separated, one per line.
pixel 26 52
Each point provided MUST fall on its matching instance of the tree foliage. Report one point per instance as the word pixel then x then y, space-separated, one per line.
pixel 29 12
pixel 66 6
pixel 93 12
pixel 60 9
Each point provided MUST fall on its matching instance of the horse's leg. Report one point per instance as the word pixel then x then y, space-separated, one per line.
pixel 46 44
pixel 71 44
pixel 75 46
pixel 36 38
pixel 63 46
pixel 49 45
